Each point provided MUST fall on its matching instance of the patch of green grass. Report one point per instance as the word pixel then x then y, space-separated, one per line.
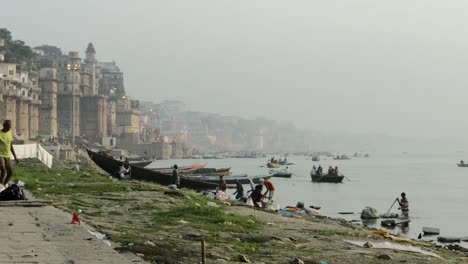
pixel 207 218
pixel 336 232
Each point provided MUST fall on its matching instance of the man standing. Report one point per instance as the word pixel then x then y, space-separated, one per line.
pixel 404 204
pixel 239 190
pixel 6 146
pixel 175 176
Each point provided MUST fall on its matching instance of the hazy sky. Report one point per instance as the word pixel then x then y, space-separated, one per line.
pixel 390 67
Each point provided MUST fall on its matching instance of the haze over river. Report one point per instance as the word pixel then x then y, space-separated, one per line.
pixel 435 186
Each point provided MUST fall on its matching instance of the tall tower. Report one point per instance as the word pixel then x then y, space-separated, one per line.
pixel 48 110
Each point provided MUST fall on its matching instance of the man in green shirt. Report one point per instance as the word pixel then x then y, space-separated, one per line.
pixel 6 146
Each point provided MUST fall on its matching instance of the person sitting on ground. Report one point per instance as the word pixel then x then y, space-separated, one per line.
pixel 123 173
pixel 270 189
pixel 404 204
pixel 257 195
pixel 222 184
pixel 239 190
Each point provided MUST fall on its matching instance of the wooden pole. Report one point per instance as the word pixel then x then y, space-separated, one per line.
pixel 391 206
pixel 203 252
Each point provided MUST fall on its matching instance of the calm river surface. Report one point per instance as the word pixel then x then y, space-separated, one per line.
pixel 435 186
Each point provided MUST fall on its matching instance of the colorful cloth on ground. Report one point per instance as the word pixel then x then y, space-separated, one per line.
pixel 5 143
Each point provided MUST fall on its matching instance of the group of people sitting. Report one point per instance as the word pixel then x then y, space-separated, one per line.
pixel 278 161
pixel 319 171
pixel 256 191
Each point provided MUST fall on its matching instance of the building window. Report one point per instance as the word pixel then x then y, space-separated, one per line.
pixel 11 72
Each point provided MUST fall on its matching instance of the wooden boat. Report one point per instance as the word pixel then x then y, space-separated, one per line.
pixel 141 164
pixel 327 178
pixel 111 166
pixel 244 179
pixel 182 169
pixel 462 165
pixel 273 165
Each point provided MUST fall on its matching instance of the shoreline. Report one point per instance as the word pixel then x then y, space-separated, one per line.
pixel 163 225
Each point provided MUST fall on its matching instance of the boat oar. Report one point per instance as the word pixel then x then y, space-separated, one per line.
pixel 347 178
pixel 392 205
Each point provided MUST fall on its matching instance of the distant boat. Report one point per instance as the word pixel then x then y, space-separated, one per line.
pixel 342 157
pixel 315 159
pixel 465 165
pixel 273 165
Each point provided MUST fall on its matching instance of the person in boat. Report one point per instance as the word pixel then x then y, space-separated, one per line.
pixel 222 184
pixel 336 170
pixel 239 190
pixel 257 195
pixel 314 170
pixel 270 189
pixel 319 170
pixel 462 162
pixel 175 176
pixel 404 204
pixel 123 173
pixel 272 160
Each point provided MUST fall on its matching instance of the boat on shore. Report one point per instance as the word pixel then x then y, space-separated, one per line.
pixel 182 169
pixel 141 164
pixel 243 179
pixel 112 166
pixel 327 178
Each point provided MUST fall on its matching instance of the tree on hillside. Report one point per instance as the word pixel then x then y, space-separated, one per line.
pixel 16 51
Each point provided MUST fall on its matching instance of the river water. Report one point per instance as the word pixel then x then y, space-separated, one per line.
pixel 435 186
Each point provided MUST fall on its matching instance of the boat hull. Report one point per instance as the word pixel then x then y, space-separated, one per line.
pixel 141 164
pixel 327 178
pixel 243 179
pixel 111 166
pixel 273 165
pixel 462 165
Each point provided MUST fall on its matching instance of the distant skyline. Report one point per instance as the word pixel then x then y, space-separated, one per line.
pixel 394 68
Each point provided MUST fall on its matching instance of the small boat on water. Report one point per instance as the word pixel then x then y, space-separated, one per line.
pixel 327 178
pixel 342 157
pixel 280 173
pixel 273 165
pixel 112 166
pixel 315 159
pixel 465 165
